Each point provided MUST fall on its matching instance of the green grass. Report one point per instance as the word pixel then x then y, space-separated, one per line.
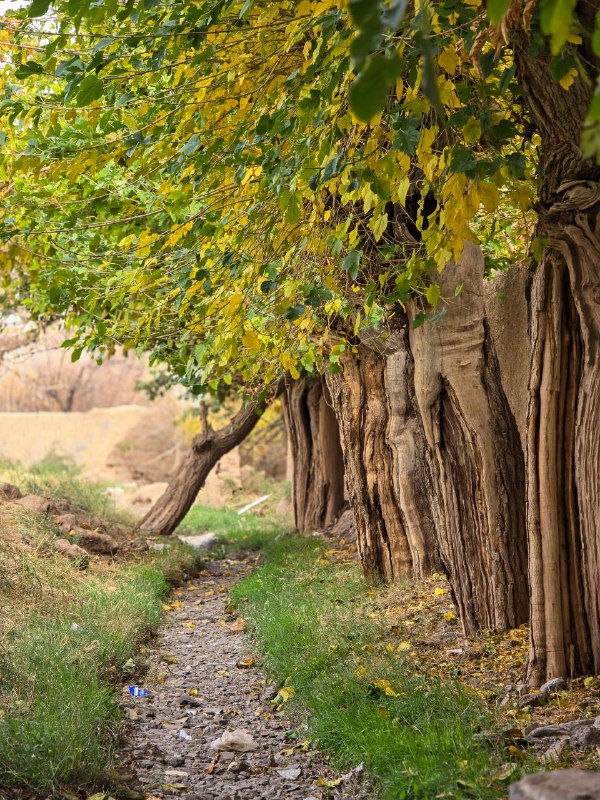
pixel 311 623
pixel 58 477
pixel 58 711
pixel 245 532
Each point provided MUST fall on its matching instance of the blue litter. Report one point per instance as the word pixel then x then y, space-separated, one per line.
pixel 138 691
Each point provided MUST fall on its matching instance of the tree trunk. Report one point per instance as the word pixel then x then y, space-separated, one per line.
pixel 434 462
pixel 318 471
pixel 207 449
pixel 386 466
pixel 476 454
pixel 563 419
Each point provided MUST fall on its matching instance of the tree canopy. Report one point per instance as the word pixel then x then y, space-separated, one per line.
pixel 241 187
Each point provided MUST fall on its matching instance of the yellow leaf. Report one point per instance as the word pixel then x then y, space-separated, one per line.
pixel 404 646
pixel 286 692
pixel 251 341
pixel 569 79
pixel 386 687
pixel 449 616
pixel 328 783
pixel 361 671
pixel 439 592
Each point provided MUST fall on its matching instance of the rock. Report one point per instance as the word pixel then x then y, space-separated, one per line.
pixel 238 741
pixel 94 542
pixel 585 737
pixel 10 492
pixel 205 542
pixel 534 699
pixel 290 773
pixel 35 504
pixel 72 551
pixel 555 685
pixel 554 752
pixel 565 784
pixel 343 527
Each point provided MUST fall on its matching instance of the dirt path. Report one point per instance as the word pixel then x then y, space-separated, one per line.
pixel 200 689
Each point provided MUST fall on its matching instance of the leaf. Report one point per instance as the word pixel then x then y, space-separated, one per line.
pixel 386 688
pixel 192 144
pixel 433 295
pixel 439 592
pixel 38 8
pixel 286 693
pixel 496 9
pixel 251 341
pixel 330 784
pixel 90 89
pixel 370 90
pixel 351 263
pixel 27 69
pixel 556 18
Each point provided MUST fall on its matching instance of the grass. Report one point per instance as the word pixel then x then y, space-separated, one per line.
pixel 59 478
pixel 66 639
pixel 418 737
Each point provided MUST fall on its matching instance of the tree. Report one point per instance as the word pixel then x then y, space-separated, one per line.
pixel 313 433
pixel 329 164
pixel 208 447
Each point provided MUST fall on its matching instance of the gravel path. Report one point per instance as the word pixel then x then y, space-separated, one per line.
pixel 203 684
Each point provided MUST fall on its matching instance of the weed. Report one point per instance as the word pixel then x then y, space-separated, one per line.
pixel 416 736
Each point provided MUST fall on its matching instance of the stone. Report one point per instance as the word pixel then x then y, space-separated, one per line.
pixel 71 551
pixel 586 737
pixel 94 542
pixel 562 784
pixel 205 542
pixel 555 685
pixel 534 699
pixel 10 492
pixel 239 741
pixel 289 773
pixel 554 752
pixel 35 504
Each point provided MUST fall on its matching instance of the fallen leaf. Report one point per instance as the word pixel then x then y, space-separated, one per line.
pixel 329 783
pixel 239 626
pixel 246 663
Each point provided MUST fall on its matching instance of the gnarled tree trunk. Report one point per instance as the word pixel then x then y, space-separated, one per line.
pixel 206 450
pixel 318 466
pixel 476 455
pixel 434 463
pixel 386 465
pixel 563 420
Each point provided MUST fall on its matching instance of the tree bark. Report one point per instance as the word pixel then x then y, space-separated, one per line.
pixel 476 455
pixel 206 450
pixel 563 418
pixel 434 462
pixel 318 466
pixel 386 466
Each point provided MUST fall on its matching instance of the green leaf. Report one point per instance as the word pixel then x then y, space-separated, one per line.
pixel 90 89
pixel 351 263
pixel 496 9
pixel 556 18
pixel 38 8
pixel 27 69
pixel 433 294
pixel 369 92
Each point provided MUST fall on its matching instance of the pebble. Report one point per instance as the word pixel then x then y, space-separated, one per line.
pixel 193 672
